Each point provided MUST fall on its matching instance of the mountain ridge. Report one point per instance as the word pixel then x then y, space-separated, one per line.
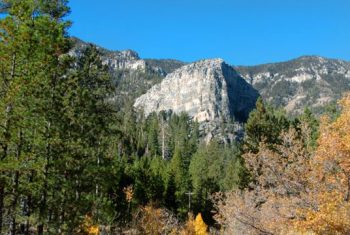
pixel 305 81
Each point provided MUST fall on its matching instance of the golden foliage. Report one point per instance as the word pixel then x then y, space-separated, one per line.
pixel 200 227
pixel 129 193
pixel 328 198
pixel 89 228
pixel 279 178
pixel 295 192
pixel 152 220
pixel 331 217
pixel 189 226
pixel 254 213
pixel 280 168
pixel 194 226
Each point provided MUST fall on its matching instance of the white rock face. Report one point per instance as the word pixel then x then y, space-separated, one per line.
pixel 207 90
pixel 299 78
pixel 118 60
pixel 308 81
pixel 124 60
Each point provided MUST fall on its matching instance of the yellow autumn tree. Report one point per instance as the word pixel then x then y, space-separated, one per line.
pixel 200 227
pixel 330 218
pixel 328 210
pixel 152 220
pixel 89 228
pixel 188 229
pixel 194 226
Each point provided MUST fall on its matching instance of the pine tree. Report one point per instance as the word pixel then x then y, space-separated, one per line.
pixel 32 39
pixel 178 167
pixel 264 124
pixel 88 119
pixel 312 124
pixel 153 130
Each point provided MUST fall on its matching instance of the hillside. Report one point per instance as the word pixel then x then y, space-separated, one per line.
pixel 308 81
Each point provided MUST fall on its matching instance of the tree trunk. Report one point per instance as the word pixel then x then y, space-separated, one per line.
pixel 2 191
pixel 40 229
pixel 43 201
pixel 347 197
pixel 14 204
pixel 15 188
pixel 163 139
pixel 29 207
pixel 3 157
pixel 45 188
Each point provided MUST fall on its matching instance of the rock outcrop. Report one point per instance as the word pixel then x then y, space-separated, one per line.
pixel 208 90
pixel 308 81
pixel 124 60
pixel 119 60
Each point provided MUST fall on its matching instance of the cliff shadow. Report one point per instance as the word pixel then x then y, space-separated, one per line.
pixel 242 96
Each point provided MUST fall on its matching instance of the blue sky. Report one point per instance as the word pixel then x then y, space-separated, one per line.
pixel 242 32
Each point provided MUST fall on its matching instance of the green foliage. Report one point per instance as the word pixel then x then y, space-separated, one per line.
pixel 152 139
pixel 132 84
pixel 148 183
pixel 264 123
pixel 313 125
pixel 32 39
pixel 87 127
pixel 167 65
pixel 214 167
pixel 332 110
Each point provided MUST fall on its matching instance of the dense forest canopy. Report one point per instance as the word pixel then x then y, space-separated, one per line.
pixel 73 162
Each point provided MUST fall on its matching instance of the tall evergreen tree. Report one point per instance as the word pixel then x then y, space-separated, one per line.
pixel 264 124
pixel 32 39
pixel 88 123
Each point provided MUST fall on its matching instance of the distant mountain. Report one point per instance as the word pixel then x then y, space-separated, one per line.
pixel 118 60
pixel 308 81
pixel 129 60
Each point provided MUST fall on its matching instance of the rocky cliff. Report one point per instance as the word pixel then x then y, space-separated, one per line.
pixel 207 90
pixel 308 81
pixel 132 75
pixel 119 60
